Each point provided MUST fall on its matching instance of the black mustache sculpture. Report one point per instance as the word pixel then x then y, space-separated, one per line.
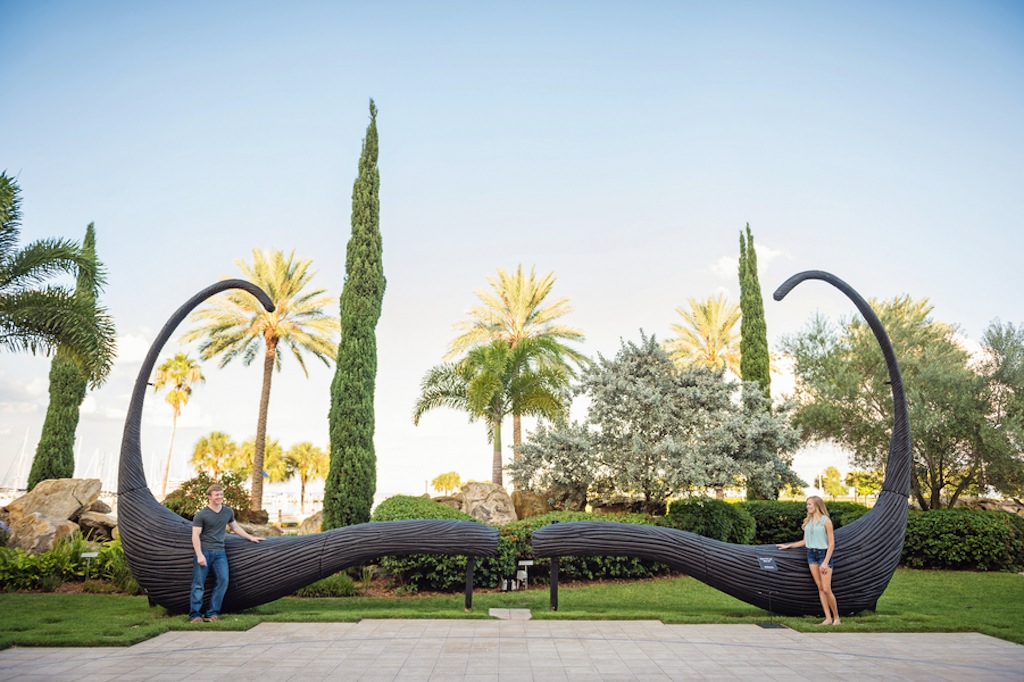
pixel 866 554
pixel 158 543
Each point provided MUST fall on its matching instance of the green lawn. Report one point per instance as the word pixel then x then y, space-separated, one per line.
pixel 916 601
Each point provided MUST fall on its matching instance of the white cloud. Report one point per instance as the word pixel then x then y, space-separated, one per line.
pixel 728 266
pixel 91 410
pixel 16 391
pixel 159 413
pixel 132 348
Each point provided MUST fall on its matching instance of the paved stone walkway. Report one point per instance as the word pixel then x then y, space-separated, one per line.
pixel 525 650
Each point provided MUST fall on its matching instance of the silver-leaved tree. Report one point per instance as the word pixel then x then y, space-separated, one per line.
pixel 656 431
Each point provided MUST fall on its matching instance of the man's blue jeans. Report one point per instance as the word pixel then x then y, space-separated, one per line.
pixel 217 560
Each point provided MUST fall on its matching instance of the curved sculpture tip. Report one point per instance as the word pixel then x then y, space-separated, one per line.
pixel 791 283
pixel 262 297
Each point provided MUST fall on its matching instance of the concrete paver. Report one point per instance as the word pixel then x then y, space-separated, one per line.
pixel 512 650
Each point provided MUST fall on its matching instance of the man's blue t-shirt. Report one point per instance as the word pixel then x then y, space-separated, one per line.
pixel 214 525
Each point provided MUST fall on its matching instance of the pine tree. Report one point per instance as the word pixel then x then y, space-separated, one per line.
pixel 754 358
pixel 55 454
pixel 352 477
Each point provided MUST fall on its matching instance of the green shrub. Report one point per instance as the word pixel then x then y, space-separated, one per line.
pixel 22 571
pixel 448 573
pixel 844 517
pixel 515 542
pixel 337 585
pixel 17 570
pixel 781 521
pixel 711 518
pixel 424 571
pixel 775 521
pixel 845 513
pixel 408 507
pixel 191 496
pixel 965 539
pixel 112 565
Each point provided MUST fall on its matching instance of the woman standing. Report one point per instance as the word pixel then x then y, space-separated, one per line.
pixel 820 541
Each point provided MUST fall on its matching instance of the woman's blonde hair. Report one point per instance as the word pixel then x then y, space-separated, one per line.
pixel 819 506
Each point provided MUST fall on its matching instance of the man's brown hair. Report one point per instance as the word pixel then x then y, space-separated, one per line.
pixel 212 487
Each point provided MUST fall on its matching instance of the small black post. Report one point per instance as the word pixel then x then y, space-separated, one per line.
pixel 470 563
pixel 554 583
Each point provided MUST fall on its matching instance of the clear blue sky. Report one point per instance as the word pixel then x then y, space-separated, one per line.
pixel 622 146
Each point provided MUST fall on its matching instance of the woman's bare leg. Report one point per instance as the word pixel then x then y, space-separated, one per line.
pixel 816 574
pixel 829 597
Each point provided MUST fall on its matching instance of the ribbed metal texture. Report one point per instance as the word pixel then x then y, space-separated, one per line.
pixel 866 554
pixel 158 543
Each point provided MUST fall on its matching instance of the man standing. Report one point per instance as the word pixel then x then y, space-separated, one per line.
pixel 208 528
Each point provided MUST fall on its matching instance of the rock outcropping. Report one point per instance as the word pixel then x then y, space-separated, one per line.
pixel 50 512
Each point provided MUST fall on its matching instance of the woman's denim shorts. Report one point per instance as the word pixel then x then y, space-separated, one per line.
pixel 817 556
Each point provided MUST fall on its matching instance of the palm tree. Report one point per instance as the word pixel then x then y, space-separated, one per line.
pixel 36 317
pixel 275 467
pixel 709 336
pixel 217 453
pixel 236 325
pixel 309 463
pixel 493 381
pixel 516 311
pixel 180 373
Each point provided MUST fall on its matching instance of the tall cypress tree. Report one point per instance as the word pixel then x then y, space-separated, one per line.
pixel 754 359
pixel 55 454
pixel 352 477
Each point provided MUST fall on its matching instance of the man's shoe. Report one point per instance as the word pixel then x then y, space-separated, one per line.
pixel 195 620
pixel 212 619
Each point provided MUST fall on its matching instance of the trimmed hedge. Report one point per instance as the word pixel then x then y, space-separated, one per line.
pixel 964 539
pixel 448 573
pixel 437 572
pixel 948 539
pixel 777 521
pixel 516 542
pixel 410 508
pixel 711 518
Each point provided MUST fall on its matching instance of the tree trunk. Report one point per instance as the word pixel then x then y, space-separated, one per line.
pixel 302 495
pixel 256 496
pixel 517 436
pixel 496 458
pixel 517 439
pixel 719 492
pixel 170 449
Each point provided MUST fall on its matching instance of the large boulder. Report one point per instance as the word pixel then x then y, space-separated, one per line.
pixel 61 498
pixel 560 499
pixel 311 524
pixel 528 503
pixel 261 530
pixel 260 517
pixel 37 534
pixel 101 507
pixel 453 501
pixel 47 514
pixel 96 526
pixel 488 502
